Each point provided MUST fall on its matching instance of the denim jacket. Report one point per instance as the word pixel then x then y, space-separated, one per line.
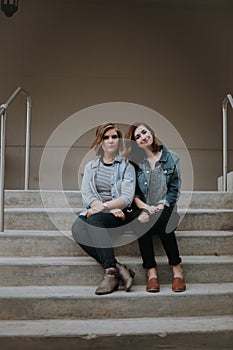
pixel 161 185
pixel 123 181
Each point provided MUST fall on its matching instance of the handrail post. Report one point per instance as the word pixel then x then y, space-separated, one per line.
pixel 27 144
pixel 2 174
pixel 3 109
pixel 224 148
pixel 225 102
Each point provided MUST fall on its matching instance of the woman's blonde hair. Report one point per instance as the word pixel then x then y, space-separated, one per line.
pixel 99 135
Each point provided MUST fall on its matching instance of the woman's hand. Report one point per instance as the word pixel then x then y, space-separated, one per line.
pixel 118 213
pixel 151 209
pixel 159 207
pixel 92 211
pixel 96 207
pixel 144 217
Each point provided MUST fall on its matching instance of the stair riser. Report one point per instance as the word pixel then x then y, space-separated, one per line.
pixel 64 220
pixel 63 245
pixel 105 307
pixel 207 221
pixel 198 200
pixel 34 199
pixel 211 340
pixel 55 199
pixel 89 274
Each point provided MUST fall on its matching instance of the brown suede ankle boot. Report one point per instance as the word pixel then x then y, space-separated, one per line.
pixel 126 275
pixel 109 283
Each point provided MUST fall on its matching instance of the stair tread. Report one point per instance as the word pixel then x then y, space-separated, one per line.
pixel 123 326
pixel 208 233
pixel 42 209
pixel 85 260
pixel 27 292
pixel 77 209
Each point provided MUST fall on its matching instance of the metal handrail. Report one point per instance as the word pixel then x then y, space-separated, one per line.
pixel 227 99
pixel 3 109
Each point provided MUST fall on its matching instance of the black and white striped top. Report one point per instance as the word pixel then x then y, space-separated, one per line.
pixel 103 181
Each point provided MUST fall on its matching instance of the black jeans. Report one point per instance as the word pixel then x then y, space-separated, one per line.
pixel 158 225
pixel 96 235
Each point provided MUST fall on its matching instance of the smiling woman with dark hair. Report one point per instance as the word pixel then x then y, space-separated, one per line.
pixel 158 187
pixel 108 188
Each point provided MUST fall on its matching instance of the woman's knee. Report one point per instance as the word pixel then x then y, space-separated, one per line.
pixel 77 228
pixel 98 220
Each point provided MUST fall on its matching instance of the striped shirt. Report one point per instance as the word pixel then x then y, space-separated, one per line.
pixel 103 181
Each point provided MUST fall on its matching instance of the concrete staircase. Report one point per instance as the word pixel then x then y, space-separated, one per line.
pixel 47 283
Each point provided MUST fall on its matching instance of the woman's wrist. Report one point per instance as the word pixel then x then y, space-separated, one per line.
pixel 146 208
pixel 105 205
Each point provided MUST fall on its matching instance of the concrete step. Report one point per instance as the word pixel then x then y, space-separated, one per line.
pixel 206 199
pixel 47 298
pixel 60 199
pixel 40 218
pixel 178 333
pixel 207 219
pixel 18 271
pixel 33 302
pixel 56 243
pixel 39 199
pixel 62 219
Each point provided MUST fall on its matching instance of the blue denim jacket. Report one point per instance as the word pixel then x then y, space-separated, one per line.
pixel 161 185
pixel 123 181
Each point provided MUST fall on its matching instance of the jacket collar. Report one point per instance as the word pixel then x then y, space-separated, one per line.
pixel 164 155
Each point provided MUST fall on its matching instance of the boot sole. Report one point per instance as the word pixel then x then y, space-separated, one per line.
pixel 109 292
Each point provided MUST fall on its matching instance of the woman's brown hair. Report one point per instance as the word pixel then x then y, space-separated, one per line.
pixel 99 135
pixel 133 151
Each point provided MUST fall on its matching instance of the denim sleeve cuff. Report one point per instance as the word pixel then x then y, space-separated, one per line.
pixel 89 200
pixel 164 202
